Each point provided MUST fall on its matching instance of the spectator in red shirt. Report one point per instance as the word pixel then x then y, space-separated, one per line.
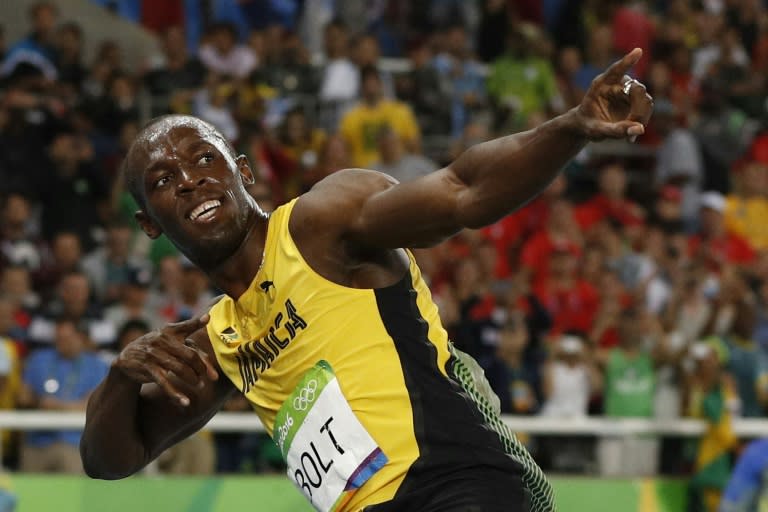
pixel 713 244
pixel 510 232
pixel 561 233
pixel 634 28
pixel 610 202
pixel 570 300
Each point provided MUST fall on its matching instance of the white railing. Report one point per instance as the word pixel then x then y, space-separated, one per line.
pixel 591 426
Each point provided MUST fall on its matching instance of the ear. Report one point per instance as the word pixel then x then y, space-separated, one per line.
pixel 148 225
pixel 244 168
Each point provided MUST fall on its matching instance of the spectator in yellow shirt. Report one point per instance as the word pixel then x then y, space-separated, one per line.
pixel 746 208
pixel 362 124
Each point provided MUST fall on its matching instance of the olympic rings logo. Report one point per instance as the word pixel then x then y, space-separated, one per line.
pixel 305 396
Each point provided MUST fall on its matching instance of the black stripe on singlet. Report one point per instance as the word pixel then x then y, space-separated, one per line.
pixel 455 443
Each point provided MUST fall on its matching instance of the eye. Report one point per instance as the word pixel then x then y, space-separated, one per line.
pixel 206 158
pixel 162 180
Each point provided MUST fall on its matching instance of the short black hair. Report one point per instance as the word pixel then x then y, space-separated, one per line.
pixel 224 26
pixel 132 324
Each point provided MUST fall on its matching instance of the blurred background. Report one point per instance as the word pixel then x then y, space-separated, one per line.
pixel 635 287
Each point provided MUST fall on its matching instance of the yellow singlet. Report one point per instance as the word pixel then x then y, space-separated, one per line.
pixel 394 364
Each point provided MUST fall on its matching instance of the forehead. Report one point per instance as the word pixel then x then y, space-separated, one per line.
pixel 166 138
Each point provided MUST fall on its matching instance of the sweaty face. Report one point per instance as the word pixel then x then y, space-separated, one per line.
pixel 194 189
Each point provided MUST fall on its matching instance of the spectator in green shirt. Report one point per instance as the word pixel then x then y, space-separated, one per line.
pixel 521 83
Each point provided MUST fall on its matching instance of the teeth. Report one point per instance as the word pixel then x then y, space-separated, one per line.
pixel 200 209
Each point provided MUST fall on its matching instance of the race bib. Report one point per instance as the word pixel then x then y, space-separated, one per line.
pixel 328 451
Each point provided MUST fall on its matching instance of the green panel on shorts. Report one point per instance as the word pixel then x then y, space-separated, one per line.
pixel 471 377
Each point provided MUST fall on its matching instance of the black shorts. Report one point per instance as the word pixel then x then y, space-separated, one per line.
pixel 481 490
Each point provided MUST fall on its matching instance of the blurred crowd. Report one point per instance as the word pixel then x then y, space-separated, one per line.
pixel 635 285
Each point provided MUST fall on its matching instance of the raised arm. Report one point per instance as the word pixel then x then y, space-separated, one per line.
pixel 162 388
pixel 489 180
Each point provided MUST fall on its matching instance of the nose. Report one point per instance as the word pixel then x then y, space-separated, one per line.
pixel 189 181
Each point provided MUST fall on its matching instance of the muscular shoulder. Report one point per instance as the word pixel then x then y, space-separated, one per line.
pixel 331 206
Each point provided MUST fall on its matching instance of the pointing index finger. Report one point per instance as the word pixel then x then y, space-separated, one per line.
pixel 187 327
pixel 620 68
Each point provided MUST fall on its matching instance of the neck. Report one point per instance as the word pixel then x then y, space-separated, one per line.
pixel 234 275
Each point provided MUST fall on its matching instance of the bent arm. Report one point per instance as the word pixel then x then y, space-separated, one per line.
pixel 129 424
pixel 486 182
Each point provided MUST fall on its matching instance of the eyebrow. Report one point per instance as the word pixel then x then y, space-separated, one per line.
pixel 192 148
pixel 155 166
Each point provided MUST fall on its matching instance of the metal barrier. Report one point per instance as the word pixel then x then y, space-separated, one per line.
pixel 587 426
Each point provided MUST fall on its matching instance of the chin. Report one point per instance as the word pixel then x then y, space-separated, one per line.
pixel 209 251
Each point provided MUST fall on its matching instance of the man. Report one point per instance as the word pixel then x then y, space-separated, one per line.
pixel 58 379
pixel 628 391
pixel 611 201
pixel 399 163
pixel 747 490
pixel 327 327
pixel 713 243
pixel 362 124
pixel 72 300
pixel 37 49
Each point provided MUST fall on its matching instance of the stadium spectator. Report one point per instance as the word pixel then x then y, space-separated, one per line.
pixel 461 72
pixel 395 161
pixel 569 379
pixel 288 70
pixel 425 91
pixel 133 301
pixel 10 364
pixel 302 142
pixel 714 244
pixel 366 52
pixel 678 159
pixel 109 265
pixel 17 246
pixel 746 489
pixel 36 49
pixel 628 392
pixel 16 285
pixel 510 376
pixel 520 83
pixel 689 311
pixel 598 54
pixel 223 55
pixel 69 57
pixel 59 378
pixel 75 195
pixel 734 323
pixel 747 204
pixel 559 233
pixel 174 74
pixel 571 300
pixel 72 301
pixel 362 124
pixel 712 396
pixel 340 81
pixel 492 31
pixel 63 256
pixel 611 202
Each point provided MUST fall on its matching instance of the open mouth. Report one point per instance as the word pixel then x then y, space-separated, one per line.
pixel 205 210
